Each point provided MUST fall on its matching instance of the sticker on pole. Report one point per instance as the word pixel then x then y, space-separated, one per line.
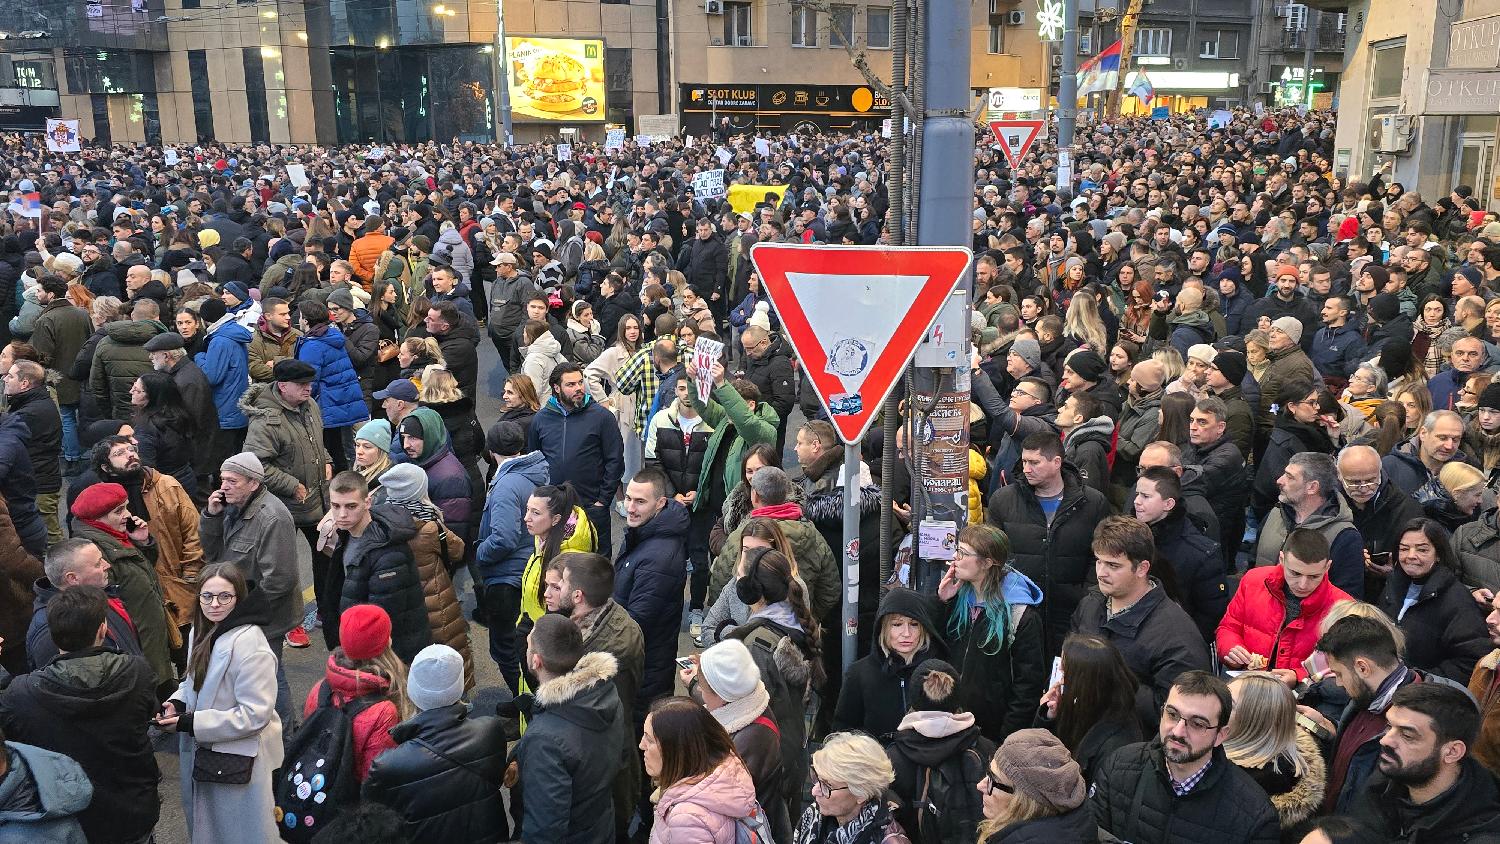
pixel 856 314
pixel 1016 137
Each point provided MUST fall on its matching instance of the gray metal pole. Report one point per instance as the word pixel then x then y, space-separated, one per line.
pixel 1311 20
pixel 502 61
pixel 851 554
pixel 943 207
pixel 1067 83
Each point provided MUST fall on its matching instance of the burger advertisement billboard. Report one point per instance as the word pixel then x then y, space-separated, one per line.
pixel 556 79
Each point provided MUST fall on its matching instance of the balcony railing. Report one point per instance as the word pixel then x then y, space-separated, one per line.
pixel 1327 39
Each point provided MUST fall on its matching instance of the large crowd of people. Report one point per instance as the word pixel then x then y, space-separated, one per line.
pixel 1230 572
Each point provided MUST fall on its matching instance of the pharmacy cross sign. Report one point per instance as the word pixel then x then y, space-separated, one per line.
pixel 1049 20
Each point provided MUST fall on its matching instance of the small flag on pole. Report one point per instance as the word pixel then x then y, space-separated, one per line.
pixel 1101 73
pixel 1142 88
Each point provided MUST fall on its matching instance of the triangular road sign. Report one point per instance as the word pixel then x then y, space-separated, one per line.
pixel 1015 137
pixel 855 315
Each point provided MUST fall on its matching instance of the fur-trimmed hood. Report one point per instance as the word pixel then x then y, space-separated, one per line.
pixel 580 696
pixel 1306 796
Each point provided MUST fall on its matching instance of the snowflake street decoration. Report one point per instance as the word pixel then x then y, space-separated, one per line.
pixel 1049 20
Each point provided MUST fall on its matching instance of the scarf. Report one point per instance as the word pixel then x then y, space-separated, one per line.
pixel 866 827
pixel 790 511
pixel 738 714
pixel 422 510
pixel 1486 446
pixel 935 725
pixel 1432 361
pixel 124 538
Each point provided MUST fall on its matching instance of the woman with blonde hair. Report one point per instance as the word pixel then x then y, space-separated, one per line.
pixel 415 355
pixel 1268 744
pixel 1034 791
pixel 1084 325
pixel 1456 497
pixel 1258 352
pixel 440 391
pixel 364 668
pixel 372 446
pixel 1171 361
pixel 850 775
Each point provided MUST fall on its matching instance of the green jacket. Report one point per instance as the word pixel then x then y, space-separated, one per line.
pixel 289 443
pixel 815 563
pixel 748 428
pixel 132 569
pixel 59 334
pixel 119 359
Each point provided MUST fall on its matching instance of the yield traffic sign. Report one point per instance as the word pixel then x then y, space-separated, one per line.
pixel 1016 137
pixel 855 315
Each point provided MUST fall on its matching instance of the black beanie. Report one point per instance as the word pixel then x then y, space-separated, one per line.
pixel 1231 364
pixel 212 310
pixel 1385 307
pixel 934 687
pixel 1490 397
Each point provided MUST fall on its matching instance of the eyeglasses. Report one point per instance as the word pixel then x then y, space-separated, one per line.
pixel 1352 485
pixel 210 598
pixel 820 788
pixel 1171 717
pixel 992 785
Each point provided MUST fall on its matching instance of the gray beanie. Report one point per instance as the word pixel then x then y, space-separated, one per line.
pixel 246 465
pixel 404 482
pixel 436 678
pixel 1028 350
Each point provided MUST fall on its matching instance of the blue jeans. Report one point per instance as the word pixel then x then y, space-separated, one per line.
pixel 71 448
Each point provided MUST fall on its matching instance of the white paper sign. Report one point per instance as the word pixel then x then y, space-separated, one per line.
pixel 762 147
pixel 705 352
pixel 169 157
pixel 690 141
pixel 62 135
pixel 1219 119
pixel 614 139
pixel 724 155
pixel 564 152
pixel 298 175
pixel 644 140
pixel 709 184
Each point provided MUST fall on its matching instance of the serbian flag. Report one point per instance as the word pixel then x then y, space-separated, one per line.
pixel 1142 88
pixel 1101 73
pixel 26 205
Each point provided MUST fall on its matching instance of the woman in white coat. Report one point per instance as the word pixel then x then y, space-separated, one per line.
pixel 602 387
pixel 227 703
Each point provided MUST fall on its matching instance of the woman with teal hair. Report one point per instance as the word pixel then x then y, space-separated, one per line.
pixel 994 633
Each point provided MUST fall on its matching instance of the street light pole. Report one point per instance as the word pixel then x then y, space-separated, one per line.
pixel 502 62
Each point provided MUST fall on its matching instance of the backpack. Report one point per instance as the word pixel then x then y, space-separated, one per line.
pixel 947 807
pixel 317 779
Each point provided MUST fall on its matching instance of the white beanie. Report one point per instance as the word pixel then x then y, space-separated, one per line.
pixel 761 317
pixel 729 670
pixel 1290 326
pixel 436 678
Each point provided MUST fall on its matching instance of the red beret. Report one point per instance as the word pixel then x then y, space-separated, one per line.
pixel 97 500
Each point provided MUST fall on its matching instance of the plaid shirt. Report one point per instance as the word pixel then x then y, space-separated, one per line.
pixel 638 377
pixel 1184 788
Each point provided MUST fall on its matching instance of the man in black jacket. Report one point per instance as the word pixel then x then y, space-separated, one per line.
pixel 768 365
pixel 26 393
pixel 1194 559
pixel 1130 608
pixel 373 563
pixel 1049 515
pixel 564 773
pixel 1181 786
pixel 1428 786
pixel 1379 509
pixel 93 704
pixel 234 264
pixel 705 263
pixel 1221 465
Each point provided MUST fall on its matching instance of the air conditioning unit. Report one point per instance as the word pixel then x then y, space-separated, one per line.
pixel 1016 18
pixel 1393 133
pixel 713 7
pixel 1264 88
pixel 1057 61
pixel 1180 64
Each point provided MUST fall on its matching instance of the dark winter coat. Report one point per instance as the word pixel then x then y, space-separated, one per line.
pixel 19 571
pixel 780 653
pixel 937 762
pixel 337 387
pixel 289 443
pixel 650 574
pixel 1222 468
pixel 362 342
pixel 1087 447
pixel 1008 429
pixel 566 771
pixel 1240 426
pixel 1197 565
pixel 582 446
pixel 18 484
pixel 1478 547
pixel 93 706
pixel 874 696
pixel 504 545
pixel 1058 557
pixel 1282 366
pixel 44 440
pixel 132 569
pixel 1445 629
pixel 41 797
pixel 1000 686
pixel 1076 825
pixel 443 776
pixel 379 569
pixel 1406 470
pixel 460 351
pixel 1337 352
pixel 1157 639
pixel 610 311
pixel 119 359
pixel 1288 438
pixel 198 398
pixel 120 636
pixel 226 366
pixel 1133 800
pixel 772 374
pixel 680 456
pixel 58 335
pixel 1468 813
pixel 705 263
pixel 464 432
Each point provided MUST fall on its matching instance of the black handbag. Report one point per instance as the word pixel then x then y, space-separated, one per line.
pixel 222 768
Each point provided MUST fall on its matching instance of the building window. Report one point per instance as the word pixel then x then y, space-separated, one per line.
pixel 804 26
pixel 1086 43
pixel 1296 17
pixel 190 4
pixel 203 103
pixel 737 25
pixel 841 26
pixel 878 27
pixel 1219 44
pixel 1153 42
pixel 255 95
pixel 997 39
pixel 102 133
pixel 1388 70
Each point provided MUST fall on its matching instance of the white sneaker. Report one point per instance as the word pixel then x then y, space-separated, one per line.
pixel 695 624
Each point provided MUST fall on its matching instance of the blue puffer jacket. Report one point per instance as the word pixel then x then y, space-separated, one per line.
pixel 226 364
pixel 337 387
pixel 504 544
pixel 649 578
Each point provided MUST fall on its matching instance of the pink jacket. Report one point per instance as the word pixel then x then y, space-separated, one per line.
pixel 704 811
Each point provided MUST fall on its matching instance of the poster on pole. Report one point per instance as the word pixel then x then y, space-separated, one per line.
pixel 62 136
pixel 709 184
pixel 705 352
pixel 614 139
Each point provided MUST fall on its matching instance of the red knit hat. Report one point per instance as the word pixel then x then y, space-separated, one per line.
pixel 364 631
pixel 96 501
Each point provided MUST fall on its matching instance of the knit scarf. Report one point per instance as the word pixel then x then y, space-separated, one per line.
pixel 423 510
pixel 123 537
pixel 739 714
pixel 790 511
pixel 1487 446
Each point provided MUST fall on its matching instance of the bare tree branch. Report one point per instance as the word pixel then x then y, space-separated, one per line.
pixel 859 59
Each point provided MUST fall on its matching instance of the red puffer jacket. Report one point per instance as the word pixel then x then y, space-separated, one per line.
pixel 1255 614
pixel 372 727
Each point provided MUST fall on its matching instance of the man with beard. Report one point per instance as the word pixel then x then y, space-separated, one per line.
pixel 1485 689
pixel 1362 656
pixel 1181 786
pixel 169 510
pixel 1429 787
pixel 582 444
